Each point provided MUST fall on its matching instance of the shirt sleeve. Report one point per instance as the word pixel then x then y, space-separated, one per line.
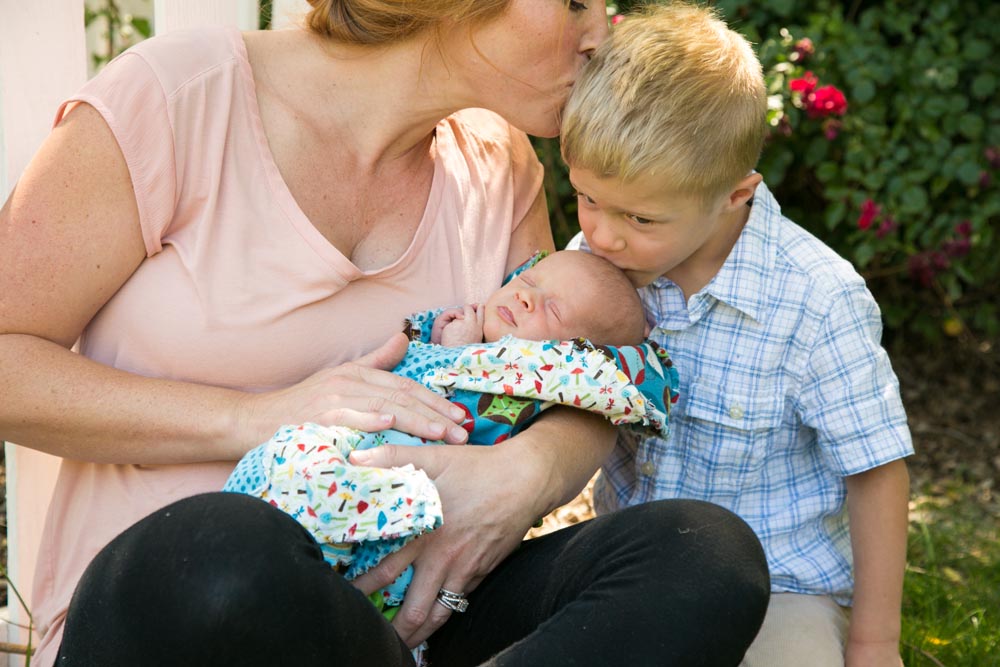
pixel 130 98
pixel 850 394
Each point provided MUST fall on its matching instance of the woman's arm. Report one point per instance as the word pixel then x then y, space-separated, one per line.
pixel 532 235
pixel 877 505
pixel 490 497
pixel 69 239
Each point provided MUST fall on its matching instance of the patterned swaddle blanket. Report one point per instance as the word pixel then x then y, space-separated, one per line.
pixel 359 515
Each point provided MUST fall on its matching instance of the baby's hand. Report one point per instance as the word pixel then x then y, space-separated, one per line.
pixel 462 327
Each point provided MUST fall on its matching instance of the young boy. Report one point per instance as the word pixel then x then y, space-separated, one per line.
pixel 790 413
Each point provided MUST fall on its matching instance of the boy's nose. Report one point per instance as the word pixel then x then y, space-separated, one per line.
pixel 603 237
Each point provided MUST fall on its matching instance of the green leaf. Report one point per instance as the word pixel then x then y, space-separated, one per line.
pixel 984 85
pixel 970 125
pixel 863 91
pixel 936 106
pixel 142 26
pixel 835 213
pixel 817 150
pixel 913 199
pixel 863 255
pixel 968 173
pixel 939 185
pixel 976 49
pixel 827 171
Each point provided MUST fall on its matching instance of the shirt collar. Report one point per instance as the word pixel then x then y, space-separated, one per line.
pixel 743 281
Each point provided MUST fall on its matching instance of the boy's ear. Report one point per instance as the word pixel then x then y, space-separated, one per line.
pixel 743 192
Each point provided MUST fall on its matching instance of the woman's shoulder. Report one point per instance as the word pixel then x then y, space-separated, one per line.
pixel 182 56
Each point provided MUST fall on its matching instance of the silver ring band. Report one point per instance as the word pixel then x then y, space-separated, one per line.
pixel 451 600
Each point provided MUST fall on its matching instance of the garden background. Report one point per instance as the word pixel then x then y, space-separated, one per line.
pixel 885 143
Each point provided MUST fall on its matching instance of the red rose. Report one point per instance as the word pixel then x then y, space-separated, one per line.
pixel 805 85
pixel 869 211
pixel 826 101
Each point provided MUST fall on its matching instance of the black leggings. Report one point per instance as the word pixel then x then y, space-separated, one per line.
pixel 226 579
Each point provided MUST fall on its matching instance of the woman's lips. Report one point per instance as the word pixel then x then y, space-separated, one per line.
pixel 506 315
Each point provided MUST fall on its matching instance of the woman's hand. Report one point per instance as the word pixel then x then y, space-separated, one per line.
pixel 362 395
pixel 486 517
pixel 486 513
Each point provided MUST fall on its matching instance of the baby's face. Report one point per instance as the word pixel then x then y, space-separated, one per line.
pixel 552 300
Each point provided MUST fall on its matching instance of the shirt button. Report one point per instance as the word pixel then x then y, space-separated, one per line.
pixel 736 411
pixel 647 468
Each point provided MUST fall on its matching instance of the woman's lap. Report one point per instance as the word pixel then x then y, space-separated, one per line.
pixel 671 582
pixel 648 585
pixel 218 579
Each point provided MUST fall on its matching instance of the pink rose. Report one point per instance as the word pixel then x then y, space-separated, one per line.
pixel 831 128
pixel 803 49
pixel 616 19
pixel 886 227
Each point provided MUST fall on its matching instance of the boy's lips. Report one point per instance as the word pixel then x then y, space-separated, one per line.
pixel 506 315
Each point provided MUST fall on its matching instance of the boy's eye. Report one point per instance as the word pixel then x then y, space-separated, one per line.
pixel 638 220
pixel 575 6
pixel 585 197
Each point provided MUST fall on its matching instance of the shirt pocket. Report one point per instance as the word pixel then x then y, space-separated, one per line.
pixel 729 432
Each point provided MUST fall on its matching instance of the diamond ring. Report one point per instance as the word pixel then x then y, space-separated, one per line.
pixel 451 600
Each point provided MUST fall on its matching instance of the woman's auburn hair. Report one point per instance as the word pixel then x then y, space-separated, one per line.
pixel 374 22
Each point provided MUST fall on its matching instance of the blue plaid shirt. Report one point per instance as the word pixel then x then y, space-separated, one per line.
pixel 784 390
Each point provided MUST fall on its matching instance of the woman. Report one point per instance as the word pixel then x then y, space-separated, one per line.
pixel 226 221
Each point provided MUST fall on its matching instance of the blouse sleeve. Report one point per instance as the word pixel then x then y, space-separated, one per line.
pixel 131 99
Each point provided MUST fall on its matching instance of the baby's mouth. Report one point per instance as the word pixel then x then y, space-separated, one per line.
pixel 506 315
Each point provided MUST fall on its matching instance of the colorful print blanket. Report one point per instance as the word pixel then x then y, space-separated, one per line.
pixel 359 515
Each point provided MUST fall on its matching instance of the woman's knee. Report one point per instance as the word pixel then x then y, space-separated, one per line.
pixel 210 566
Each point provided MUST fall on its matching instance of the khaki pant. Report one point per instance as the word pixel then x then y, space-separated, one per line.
pixel 800 630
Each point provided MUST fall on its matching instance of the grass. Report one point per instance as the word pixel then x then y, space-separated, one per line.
pixel 951 596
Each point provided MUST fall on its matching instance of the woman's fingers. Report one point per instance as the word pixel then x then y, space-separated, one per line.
pixel 360 395
pixel 414 408
pixel 482 525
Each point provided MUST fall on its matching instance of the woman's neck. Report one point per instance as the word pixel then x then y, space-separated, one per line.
pixel 380 103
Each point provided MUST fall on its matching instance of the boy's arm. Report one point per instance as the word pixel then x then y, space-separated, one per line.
pixel 851 398
pixel 877 503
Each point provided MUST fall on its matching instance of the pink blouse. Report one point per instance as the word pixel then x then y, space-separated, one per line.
pixel 239 289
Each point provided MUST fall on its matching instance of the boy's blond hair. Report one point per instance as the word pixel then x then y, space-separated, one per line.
pixel 672 93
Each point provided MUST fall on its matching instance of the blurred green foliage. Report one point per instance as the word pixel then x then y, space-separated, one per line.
pixel 904 184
